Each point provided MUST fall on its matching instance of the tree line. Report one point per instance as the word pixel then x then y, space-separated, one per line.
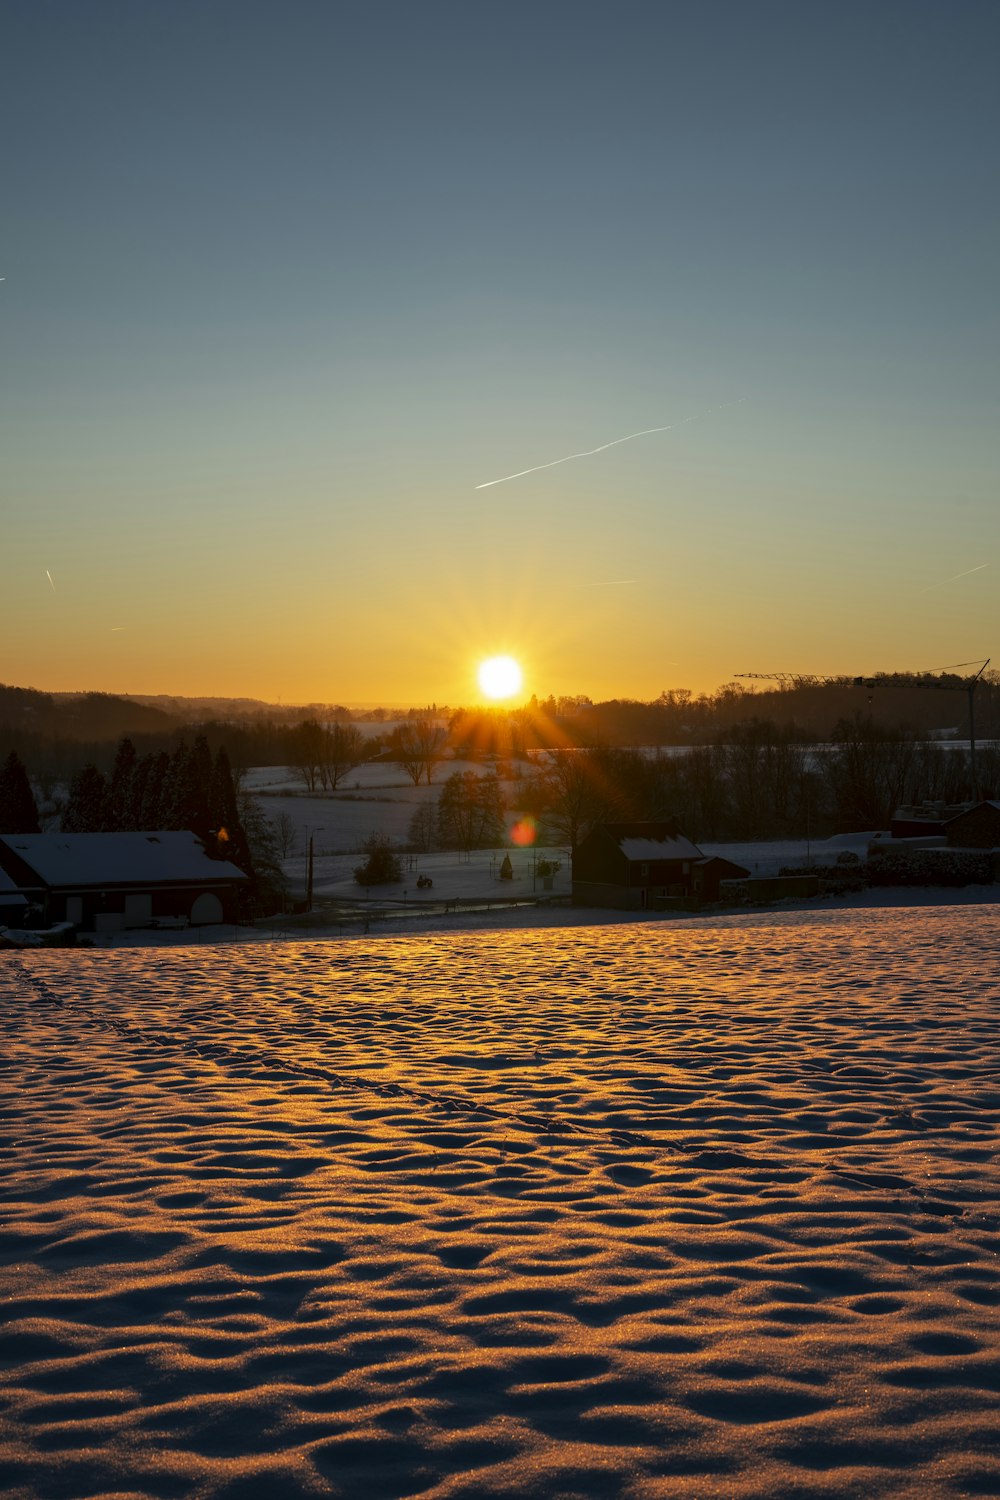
pixel 760 782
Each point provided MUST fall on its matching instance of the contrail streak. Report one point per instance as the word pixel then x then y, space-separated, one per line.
pixel 612 583
pixel 49 577
pixel 956 576
pixel 603 447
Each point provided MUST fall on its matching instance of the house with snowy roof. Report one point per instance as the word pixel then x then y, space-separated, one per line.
pixel 646 866
pixel 107 882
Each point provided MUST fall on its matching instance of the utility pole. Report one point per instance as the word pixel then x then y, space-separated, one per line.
pixel 309 870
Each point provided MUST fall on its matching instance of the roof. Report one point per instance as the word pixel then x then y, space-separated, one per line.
pixel 647 849
pixel 988 802
pixel 648 841
pixel 99 859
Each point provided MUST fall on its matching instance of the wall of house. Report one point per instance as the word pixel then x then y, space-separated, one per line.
pixel 977 829
pixel 606 893
pixel 171 903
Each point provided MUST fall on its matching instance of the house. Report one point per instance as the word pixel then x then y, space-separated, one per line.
pixel 978 827
pixel 111 881
pixel 646 866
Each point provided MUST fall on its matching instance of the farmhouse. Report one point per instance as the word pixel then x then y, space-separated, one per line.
pixel 646 866
pixel 111 881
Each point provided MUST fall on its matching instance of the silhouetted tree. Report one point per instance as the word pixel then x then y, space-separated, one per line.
pixel 227 835
pixel 152 792
pixel 470 811
pixel 18 810
pixel 121 808
pixel 306 753
pixel 422 832
pixel 382 866
pixel 187 792
pixel 86 806
pixel 343 748
pixel 419 745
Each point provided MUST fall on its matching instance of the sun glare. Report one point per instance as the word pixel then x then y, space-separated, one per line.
pixel 500 677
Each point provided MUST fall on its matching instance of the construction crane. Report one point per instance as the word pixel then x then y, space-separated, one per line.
pixel 893 679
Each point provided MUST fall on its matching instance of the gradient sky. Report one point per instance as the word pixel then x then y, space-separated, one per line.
pixel 286 281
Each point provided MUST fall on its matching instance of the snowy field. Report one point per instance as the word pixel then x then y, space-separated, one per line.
pixel 644 1210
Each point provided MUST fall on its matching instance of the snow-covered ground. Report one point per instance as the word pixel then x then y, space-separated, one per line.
pixel 705 1208
pixel 371 799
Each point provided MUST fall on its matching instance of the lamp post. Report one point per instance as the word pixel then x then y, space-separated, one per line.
pixel 309 870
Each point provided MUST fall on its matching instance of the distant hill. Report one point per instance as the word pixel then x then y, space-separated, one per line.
pixel 78 716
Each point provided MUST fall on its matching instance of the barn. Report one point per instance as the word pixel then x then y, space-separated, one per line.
pixel 646 866
pixel 106 882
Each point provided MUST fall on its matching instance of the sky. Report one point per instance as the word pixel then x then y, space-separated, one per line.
pixel 285 283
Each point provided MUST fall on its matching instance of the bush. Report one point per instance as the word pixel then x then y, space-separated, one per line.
pixel 382 866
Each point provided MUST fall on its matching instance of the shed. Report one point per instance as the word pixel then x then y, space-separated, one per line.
pixel 112 881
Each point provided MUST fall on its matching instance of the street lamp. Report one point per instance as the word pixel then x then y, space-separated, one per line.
pixel 309 869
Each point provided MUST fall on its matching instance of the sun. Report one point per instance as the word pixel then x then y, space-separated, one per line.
pixel 500 677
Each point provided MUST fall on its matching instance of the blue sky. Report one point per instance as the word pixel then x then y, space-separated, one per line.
pixel 284 283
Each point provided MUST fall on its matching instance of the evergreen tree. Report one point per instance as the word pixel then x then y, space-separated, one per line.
pixel 18 810
pixel 86 808
pixel 186 797
pixel 152 807
pixel 230 837
pixel 121 810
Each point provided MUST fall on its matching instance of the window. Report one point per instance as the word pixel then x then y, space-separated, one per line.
pixel 643 871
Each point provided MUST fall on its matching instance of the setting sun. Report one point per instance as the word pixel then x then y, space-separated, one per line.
pixel 500 677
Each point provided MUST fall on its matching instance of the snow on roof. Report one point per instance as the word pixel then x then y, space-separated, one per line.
pixel 89 859
pixel 667 848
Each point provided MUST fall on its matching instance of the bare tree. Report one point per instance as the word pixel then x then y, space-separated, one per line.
pixel 344 748
pixel 286 834
pixel 470 811
pixel 421 835
pixel 307 753
pixel 420 747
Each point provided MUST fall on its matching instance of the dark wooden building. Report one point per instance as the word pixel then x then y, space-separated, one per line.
pixel 976 828
pixel 924 819
pixel 646 866
pixel 106 882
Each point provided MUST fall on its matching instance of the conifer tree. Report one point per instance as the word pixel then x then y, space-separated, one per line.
pixel 186 802
pixel 121 811
pixel 230 836
pixel 18 810
pixel 86 809
pixel 152 812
